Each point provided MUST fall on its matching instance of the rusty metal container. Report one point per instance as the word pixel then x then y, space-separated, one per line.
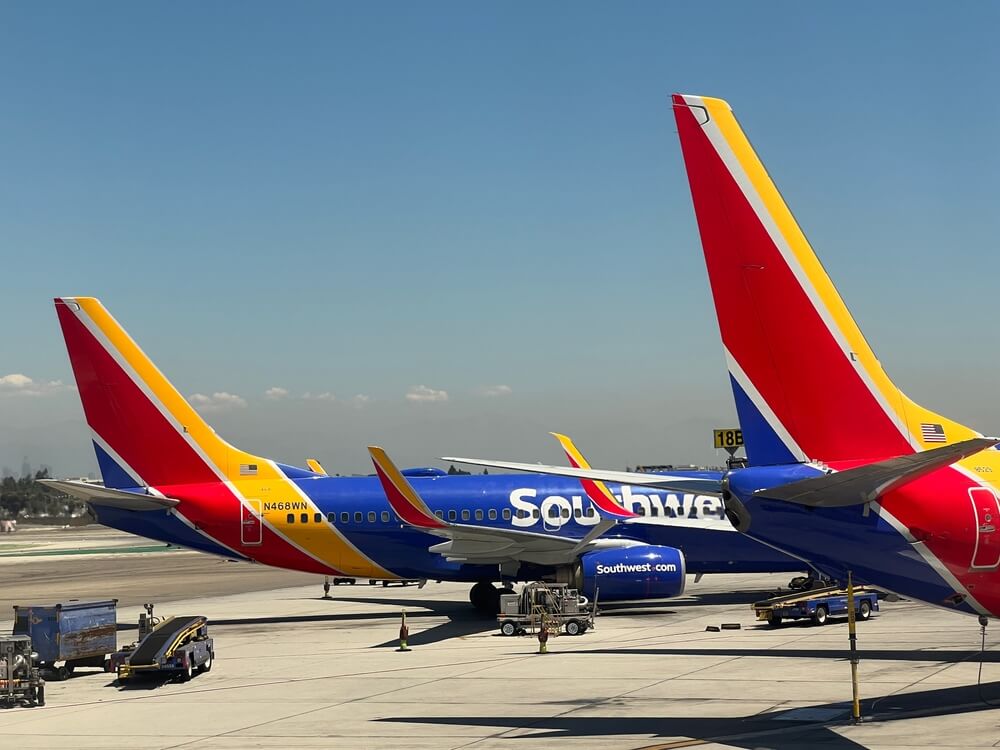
pixel 74 632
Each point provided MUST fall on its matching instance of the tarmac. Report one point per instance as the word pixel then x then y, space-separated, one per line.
pixel 294 670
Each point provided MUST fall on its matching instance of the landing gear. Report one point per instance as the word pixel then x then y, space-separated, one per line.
pixel 807 583
pixel 485 597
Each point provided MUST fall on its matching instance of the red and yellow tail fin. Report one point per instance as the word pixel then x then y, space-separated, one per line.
pixel 806 382
pixel 144 431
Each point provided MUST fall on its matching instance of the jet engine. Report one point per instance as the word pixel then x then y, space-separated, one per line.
pixel 641 573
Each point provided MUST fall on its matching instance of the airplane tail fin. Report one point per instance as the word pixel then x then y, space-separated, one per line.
pixel 145 433
pixel 806 383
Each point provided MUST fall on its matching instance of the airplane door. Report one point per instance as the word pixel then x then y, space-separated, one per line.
pixel 251 530
pixel 987 551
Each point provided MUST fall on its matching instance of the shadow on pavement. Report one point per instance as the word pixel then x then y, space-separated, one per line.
pixel 777 730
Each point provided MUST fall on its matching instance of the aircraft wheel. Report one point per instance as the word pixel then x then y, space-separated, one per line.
pixel 821 615
pixel 864 610
pixel 573 627
pixel 485 597
pixel 508 628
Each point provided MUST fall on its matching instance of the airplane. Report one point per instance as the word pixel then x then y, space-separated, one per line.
pixel 168 476
pixel 845 472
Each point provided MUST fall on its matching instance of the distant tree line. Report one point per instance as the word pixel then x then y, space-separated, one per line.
pixel 24 498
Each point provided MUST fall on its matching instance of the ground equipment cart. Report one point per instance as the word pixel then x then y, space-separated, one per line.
pixel 818 605
pixel 555 605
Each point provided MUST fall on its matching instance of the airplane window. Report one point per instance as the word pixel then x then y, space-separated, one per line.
pixel 654 511
pixel 591 512
pixel 291 518
pixel 535 512
pixel 304 518
pixel 553 511
pixel 506 514
pixel 465 515
pixel 565 512
pixel 577 513
pixel 358 516
pixel 318 517
pixel 371 516
pixel 385 516
pixel 492 514
pixel 479 515
pixel 521 513
pixel 331 517
pixel 439 514
pixel 641 510
pixel 452 515
pixel 345 517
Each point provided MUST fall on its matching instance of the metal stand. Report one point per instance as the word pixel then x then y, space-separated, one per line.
pixel 853 637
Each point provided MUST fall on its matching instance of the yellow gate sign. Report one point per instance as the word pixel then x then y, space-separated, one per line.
pixel 729 438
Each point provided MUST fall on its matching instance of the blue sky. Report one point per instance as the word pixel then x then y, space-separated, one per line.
pixel 361 199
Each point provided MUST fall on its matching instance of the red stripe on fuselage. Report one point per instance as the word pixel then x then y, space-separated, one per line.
pixel 769 324
pixel 124 417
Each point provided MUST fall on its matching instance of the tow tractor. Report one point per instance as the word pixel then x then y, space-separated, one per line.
pixel 179 645
pixel 555 605
pixel 818 605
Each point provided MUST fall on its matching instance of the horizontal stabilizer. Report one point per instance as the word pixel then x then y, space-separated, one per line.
pixel 101 495
pixel 864 484
pixel 668 482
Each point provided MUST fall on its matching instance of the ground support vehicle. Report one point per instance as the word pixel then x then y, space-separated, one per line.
pixel 818 605
pixel 554 605
pixel 69 634
pixel 20 680
pixel 178 645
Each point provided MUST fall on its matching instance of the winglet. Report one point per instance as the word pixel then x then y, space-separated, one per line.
pixel 596 490
pixel 405 502
pixel 316 467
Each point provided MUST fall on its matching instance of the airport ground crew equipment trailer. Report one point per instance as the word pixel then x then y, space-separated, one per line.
pixel 555 605
pixel 69 634
pixel 20 680
pixel 818 605
pixel 179 645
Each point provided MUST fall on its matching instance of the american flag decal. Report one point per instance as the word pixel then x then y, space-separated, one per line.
pixel 250 470
pixel 932 433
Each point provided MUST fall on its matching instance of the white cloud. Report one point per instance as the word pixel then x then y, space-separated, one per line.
pixel 218 401
pixel 17 384
pixel 275 393
pixel 325 396
pixel 422 393
pixel 492 391
pixel 360 401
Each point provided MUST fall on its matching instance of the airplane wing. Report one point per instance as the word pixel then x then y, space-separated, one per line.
pixel 863 484
pixel 668 482
pixel 101 495
pixel 597 491
pixel 482 544
pixel 315 466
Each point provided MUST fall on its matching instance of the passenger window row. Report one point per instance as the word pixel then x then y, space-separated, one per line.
pixel 385 516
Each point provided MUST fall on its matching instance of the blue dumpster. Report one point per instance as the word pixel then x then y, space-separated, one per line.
pixel 76 633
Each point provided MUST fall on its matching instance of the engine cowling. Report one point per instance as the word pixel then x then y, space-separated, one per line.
pixel 646 572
